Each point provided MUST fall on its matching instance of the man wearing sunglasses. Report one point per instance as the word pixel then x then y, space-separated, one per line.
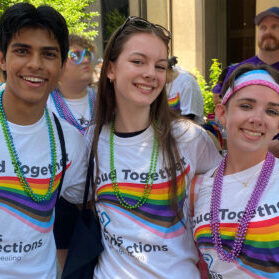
pixel 73 99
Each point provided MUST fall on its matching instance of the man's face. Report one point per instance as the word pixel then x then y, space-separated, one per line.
pixel 33 66
pixel 268 35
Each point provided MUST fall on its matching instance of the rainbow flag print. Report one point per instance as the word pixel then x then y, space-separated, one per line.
pixel 174 102
pixel 156 214
pixel 260 252
pixel 15 201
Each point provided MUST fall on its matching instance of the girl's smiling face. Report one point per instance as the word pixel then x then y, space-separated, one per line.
pixel 251 118
pixel 139 73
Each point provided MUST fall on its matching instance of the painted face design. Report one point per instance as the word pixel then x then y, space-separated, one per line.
pixel 78 56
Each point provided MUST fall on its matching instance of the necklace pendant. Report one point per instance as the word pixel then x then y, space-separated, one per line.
pixel 65 112
pixel 83 121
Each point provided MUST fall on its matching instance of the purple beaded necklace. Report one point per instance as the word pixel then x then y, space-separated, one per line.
pixel 65 112
pixel 251 206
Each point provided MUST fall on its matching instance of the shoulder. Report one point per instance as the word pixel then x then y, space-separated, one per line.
pixel 251 60
pixel 186 77
pixel 186 130
pixel 276 167
pixel 275 173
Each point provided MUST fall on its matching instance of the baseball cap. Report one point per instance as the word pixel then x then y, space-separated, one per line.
pixel 274 11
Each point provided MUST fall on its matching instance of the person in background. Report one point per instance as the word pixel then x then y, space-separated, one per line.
pixel 96 73
pixel 73 100
pixel 213 124
pixel 33 50
pixel 268 43
pixel 184 94
pixel 217 98
pixel 235 206
pixel 185 97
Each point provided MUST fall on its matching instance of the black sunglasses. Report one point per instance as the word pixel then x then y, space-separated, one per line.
pixel 143 23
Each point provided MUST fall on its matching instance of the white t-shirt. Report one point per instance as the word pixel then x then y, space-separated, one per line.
pixel 184 94
pixel 80 108
pixel 27 246
pixel 148 242
pixel 259 257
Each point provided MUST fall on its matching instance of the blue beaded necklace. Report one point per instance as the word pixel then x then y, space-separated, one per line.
pixel 65 112
pixel 15 159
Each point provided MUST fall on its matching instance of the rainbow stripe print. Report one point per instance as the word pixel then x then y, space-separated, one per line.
pixel 15 201
pixel 156 214
pixel 174 102
pixel 259 257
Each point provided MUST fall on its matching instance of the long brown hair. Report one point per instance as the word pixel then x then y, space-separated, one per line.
pixel 160 114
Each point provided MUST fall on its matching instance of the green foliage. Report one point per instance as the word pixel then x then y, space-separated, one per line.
pixel 78 19
pixel 4 4
pixel 207 87
pixel 113 20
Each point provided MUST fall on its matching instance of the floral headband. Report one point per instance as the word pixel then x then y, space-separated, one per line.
pixel 254 77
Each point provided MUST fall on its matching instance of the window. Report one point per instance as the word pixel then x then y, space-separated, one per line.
pixel 240 30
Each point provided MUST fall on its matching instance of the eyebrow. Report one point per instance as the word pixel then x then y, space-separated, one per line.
pixel 254 101
pixel 28 46
pixel 274 104
pixel 143 55
pixel 246 99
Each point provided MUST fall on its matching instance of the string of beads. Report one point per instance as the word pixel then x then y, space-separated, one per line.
pixel 15 158
pixel 150 176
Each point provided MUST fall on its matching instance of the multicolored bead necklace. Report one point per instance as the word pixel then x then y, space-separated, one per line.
pixel 15 159
pixel 251 206
pixel 150 177
pixel 65 112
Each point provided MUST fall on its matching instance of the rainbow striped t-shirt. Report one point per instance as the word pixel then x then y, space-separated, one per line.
pixel 259 257
pixel 152 241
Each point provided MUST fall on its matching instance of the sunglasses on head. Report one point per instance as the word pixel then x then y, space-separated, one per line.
pixel 143 23
pixel 77 56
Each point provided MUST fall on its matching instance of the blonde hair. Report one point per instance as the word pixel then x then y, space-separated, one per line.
pixel 82 41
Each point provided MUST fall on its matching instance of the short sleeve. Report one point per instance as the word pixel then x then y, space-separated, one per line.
pixel 191 97
pixel 75 176
pixel 208 156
